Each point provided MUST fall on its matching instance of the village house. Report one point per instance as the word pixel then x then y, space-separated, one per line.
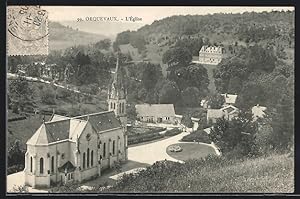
pixel 228 112
pixel 258 112
pixel 229 99
pixel 156 113
pixel 211 55
pixel 67 149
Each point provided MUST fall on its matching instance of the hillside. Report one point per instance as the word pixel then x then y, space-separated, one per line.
pixel 61 37
pixel 272 174
pixel 228 30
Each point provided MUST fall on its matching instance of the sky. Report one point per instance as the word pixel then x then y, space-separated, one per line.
pixel 148 13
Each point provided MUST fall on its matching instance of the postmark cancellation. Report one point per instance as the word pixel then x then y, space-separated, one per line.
pixel 27 30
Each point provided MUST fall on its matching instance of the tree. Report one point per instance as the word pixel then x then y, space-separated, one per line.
pixel 168 93
pixel 216 101
pixel 175 57
pixel 190 97
pixel 48 96
pixel 103 44
pixel 20 93
pixel 187 121
pixel 16 154
pixel 194 75
pixel 252 93
pixel 235 134
pixel 150 76
pixel 259 58
pixel 283 122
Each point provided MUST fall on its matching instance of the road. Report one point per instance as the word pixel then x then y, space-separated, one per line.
pixel 155 151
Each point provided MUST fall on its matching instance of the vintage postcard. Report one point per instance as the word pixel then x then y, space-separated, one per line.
pixel 150 99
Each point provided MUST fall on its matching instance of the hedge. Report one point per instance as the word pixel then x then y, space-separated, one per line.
pixel 173 132
pixel 15 168
pixel 197 136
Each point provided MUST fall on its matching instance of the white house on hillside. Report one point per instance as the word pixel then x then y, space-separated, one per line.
pixel 211 55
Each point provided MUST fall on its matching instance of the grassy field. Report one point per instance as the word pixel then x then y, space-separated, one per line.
pixel 191 151
pixel 271 174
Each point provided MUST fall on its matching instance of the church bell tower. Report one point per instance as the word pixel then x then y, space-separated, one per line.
pixel 116 99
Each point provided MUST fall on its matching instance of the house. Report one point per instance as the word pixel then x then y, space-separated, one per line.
pixel 211 55
pixel 228 112
pixel 204 103
pixel 195 122
pixel 229 99
pixel 258 112
pixel 67 149
pixel 156 113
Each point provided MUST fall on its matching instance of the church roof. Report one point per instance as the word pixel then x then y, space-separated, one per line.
pixel 156 110
pixel 71 128
pixel 102 121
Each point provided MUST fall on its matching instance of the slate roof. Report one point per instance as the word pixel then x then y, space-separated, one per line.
pixel 229 99
pixel 67 167
pixel 156 110
pixel 102 121
pixel 71 128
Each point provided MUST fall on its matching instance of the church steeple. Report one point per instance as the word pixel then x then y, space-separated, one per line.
pixel 116 99
pixel 117 93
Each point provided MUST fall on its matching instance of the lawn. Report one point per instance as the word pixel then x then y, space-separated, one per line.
pixel 191 151
pixel 271 174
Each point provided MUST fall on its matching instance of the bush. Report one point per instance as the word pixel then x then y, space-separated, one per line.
pixel 15 169
pixel 150 135
pixel 197 136
pixel 63 93
pixel 172 132
pixel 48 96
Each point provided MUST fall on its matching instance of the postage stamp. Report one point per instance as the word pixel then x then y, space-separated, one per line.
pixel 27 30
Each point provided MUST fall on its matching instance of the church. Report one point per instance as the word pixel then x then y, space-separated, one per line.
pixel 66 149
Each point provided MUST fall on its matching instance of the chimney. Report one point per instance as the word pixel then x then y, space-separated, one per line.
pixel 257 105
pixel 226 95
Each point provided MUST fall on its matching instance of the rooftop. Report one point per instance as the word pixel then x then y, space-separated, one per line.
pixel 229 98
pixel 65 128
pixel 157 110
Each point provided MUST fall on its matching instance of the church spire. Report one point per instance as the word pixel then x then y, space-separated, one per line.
pixel 116 71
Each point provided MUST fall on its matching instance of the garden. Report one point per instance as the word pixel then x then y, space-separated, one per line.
pixel 186 151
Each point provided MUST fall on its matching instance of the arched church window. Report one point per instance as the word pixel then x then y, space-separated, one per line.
pixel 120 109
pixel 111 105
pixel 114 105
pixel 123 107
pixel 41 165
pixel 31 164
pixel 104 149
pixel 114 143
pixel 52 164
pixel 88 158
pixel 83 161
pixel 92 158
